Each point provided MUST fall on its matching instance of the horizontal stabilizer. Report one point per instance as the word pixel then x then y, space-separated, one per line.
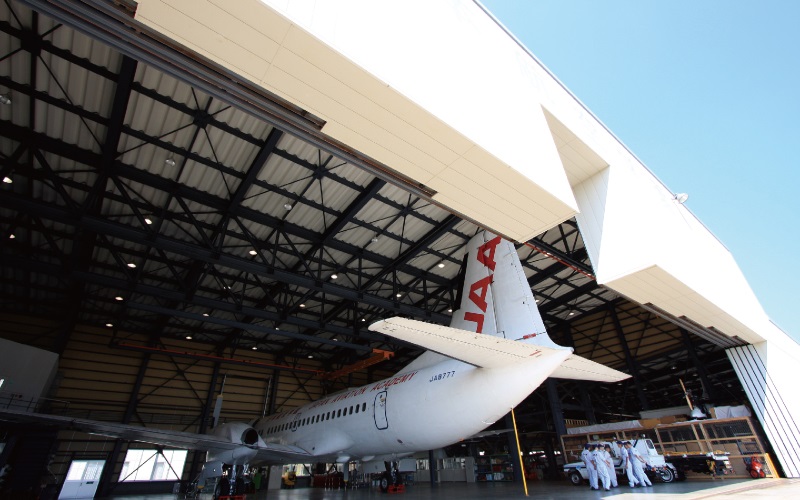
pixel 485 351
pixel 578 368
pixel 488 351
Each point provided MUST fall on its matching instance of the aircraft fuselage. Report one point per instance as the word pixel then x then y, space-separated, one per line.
pixel 417 410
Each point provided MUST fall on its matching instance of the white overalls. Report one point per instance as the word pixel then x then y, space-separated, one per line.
pixel 602 468
pixel 638 471
pixel 588 459
pixel 626 457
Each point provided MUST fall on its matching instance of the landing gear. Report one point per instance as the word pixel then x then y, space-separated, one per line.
pixel 391 481
pixel 231 483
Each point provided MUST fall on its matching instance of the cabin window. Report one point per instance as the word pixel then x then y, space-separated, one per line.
pixel 328 416
pixel 339 413
pixel 351 410
pixel 364 407
pixel 357 407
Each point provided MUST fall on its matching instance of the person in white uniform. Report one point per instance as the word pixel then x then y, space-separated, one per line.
pixel 638 471
pixel 588 459
pixel 612 472
pixel 602 467
pixel 626 462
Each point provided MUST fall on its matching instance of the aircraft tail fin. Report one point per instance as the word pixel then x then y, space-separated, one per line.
pixel 496 300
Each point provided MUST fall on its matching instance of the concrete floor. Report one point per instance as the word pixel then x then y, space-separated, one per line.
pixel 687 490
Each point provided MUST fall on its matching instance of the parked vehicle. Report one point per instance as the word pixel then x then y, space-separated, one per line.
pixel 657 468
pixel 713 463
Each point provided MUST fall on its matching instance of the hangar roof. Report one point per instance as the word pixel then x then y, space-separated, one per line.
pixel 153 194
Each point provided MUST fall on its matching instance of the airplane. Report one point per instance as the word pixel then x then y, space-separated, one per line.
pixel 495 353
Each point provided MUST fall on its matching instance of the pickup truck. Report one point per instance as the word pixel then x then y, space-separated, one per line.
pixel 657 469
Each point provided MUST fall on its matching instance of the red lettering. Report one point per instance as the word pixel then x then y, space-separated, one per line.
pixel 482 286
pixel 486 253
pixel 477 318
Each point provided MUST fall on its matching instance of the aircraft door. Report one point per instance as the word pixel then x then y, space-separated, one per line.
pixel 381 421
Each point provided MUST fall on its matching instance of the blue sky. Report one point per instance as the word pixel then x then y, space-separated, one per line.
pixel 707 95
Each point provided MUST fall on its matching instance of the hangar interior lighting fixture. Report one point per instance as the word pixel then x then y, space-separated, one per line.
pixel 131 265
pixel 148 221
pixel 119 297
pixel 441 265
pixel 334 276
pixel 11 236
pixel 681 198
pixel 5 99
pixel 374 239
pixel 188 337
pixel 170 161
pixel 287 206
pixel 253 252
pixel 8 180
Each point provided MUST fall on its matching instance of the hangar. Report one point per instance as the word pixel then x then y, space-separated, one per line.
pixel 204 198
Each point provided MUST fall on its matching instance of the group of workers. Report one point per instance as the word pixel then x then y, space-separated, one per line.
pixel 601 466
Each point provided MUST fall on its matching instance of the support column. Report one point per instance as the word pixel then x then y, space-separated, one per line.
pixel 199 456
pixel 432 469
pixel 772 397
pixel 586 403
pixel 104 488
pixel 555 407
pixel 629 359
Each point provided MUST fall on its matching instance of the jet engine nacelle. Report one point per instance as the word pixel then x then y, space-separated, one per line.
pixel 237 433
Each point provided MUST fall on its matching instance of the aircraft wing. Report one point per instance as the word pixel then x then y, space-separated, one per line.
pixel 489 351
pixel 267 453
